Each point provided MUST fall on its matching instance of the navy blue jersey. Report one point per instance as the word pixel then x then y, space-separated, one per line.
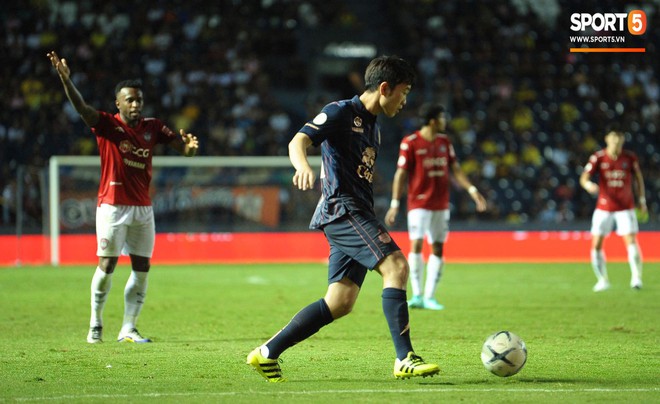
pixel 350 139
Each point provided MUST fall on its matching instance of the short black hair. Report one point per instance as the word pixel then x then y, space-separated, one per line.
pixel 430 111
pixel 390 69
pixel 614 127
pixel 132 83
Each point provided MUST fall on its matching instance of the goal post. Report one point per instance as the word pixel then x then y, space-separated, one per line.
pixel 192 188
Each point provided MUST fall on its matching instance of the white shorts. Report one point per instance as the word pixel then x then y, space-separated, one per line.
pixel 125 230
pixel 603 222
pixel 434 224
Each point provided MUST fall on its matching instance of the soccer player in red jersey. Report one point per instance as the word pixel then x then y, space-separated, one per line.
pixel 425 159
pixel 124 216
pixel 618 176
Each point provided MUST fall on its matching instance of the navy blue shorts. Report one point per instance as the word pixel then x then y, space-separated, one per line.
pixel 358 242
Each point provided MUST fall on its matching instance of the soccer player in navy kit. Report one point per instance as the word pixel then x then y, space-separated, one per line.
pixel 349 137
pixel 124 216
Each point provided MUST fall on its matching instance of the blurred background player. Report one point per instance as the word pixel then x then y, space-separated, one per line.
pixel 124 216
pixel 618 176
pixel 425 158
pixel 349 136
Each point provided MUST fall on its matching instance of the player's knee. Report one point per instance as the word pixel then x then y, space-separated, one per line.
pixel 108 264
pixel 341 307
pixel 438 249
pixel 140 264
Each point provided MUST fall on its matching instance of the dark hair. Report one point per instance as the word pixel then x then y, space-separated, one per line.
pixel 430 111
pixel 390 69
pixel 614 127
pixel 132 83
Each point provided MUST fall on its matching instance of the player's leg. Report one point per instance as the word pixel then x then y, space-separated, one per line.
pixel 394 270
pixel 601 225
pixel 345 276
pixel 304 324
pixel 417 224
pixel 140 239
pixel 366 240
pixel 628 227
pixel 100 287
pixel 437 235
pixel 110 236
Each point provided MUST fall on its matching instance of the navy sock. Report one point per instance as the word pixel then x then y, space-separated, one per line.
pixel 396 313
pixel 302 326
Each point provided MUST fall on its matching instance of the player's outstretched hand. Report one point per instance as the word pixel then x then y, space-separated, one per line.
pixel 304 179
pixel 59 65
pixel 190 143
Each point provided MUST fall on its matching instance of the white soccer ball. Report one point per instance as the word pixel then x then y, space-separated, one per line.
pixel 504 354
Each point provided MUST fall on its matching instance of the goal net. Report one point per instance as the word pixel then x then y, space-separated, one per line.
pixel 207 195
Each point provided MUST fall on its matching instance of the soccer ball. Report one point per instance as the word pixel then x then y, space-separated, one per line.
pixel 504 354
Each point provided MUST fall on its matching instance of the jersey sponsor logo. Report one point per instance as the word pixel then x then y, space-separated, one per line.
pixel 134 164
pixel 125 146
pixel 434 162
pixel 421 151
pixel 358 130
pixel 320 119
pixel 366 170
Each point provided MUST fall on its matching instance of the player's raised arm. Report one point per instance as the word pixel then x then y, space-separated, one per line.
pixel 304 177
pixel 88 114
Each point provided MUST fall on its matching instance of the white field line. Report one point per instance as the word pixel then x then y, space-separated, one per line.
pixel 331 392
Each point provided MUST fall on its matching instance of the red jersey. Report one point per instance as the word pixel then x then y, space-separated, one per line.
pixel 427 164
pixel 126 158
pixel 615 179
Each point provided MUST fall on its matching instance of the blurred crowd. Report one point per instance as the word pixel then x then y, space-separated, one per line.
pixel 525 113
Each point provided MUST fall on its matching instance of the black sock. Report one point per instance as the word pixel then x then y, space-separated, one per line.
pixel 396 313
pixel 302 326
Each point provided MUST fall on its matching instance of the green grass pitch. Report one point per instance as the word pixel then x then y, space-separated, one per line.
pixel 583 346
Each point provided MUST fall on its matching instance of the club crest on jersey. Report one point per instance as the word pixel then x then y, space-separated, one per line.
pixel 443 149
pixel 147 136
pixel 119 129
pixel 357 121
pixel 125 146
pixel 104 243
